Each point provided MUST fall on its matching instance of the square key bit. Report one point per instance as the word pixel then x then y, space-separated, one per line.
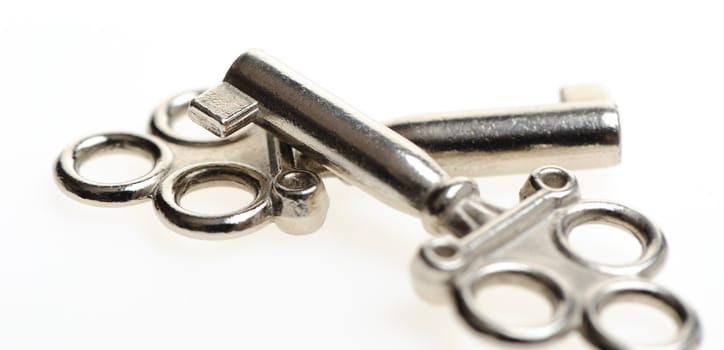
pixel 223 110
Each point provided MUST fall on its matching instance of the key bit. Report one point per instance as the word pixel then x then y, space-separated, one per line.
pixel 223 110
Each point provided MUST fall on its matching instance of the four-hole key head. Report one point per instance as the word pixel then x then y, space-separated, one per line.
pixel 528 242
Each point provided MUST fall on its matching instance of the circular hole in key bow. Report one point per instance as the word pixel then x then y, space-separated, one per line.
pixel 605 244
pixel 115 165
pixel 640 319
pixel 445 251
pixel 515 300
pixel 294 181
pixel 216 197
pixel 554 178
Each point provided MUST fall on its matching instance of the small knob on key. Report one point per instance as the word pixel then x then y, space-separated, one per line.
pixel 301 199
pixel 223 110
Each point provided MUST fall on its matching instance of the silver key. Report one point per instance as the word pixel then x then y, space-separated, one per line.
pixel 476 240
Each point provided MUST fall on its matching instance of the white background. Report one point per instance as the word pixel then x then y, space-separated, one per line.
pixel 74 276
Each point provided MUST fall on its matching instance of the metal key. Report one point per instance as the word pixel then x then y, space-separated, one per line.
pixel 485 240
pixel 349 144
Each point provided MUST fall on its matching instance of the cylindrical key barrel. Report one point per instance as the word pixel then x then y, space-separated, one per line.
pixel 351 145
pixel 574 135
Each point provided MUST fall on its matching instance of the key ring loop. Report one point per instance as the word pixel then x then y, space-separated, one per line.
pixel 112 194
pixel 653 244
pixel 565 306
pixel 687 337
pixel 237 223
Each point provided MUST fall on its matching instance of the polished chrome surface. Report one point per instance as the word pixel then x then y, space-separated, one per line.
pixel 232 107
pixel 482 241
pixel 347 142
pixel 581 132
pixel 530 240
pixel 388 166
pixel 67 168
pixel 688 336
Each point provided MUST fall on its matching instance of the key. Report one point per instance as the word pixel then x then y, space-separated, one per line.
pixel 475 239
